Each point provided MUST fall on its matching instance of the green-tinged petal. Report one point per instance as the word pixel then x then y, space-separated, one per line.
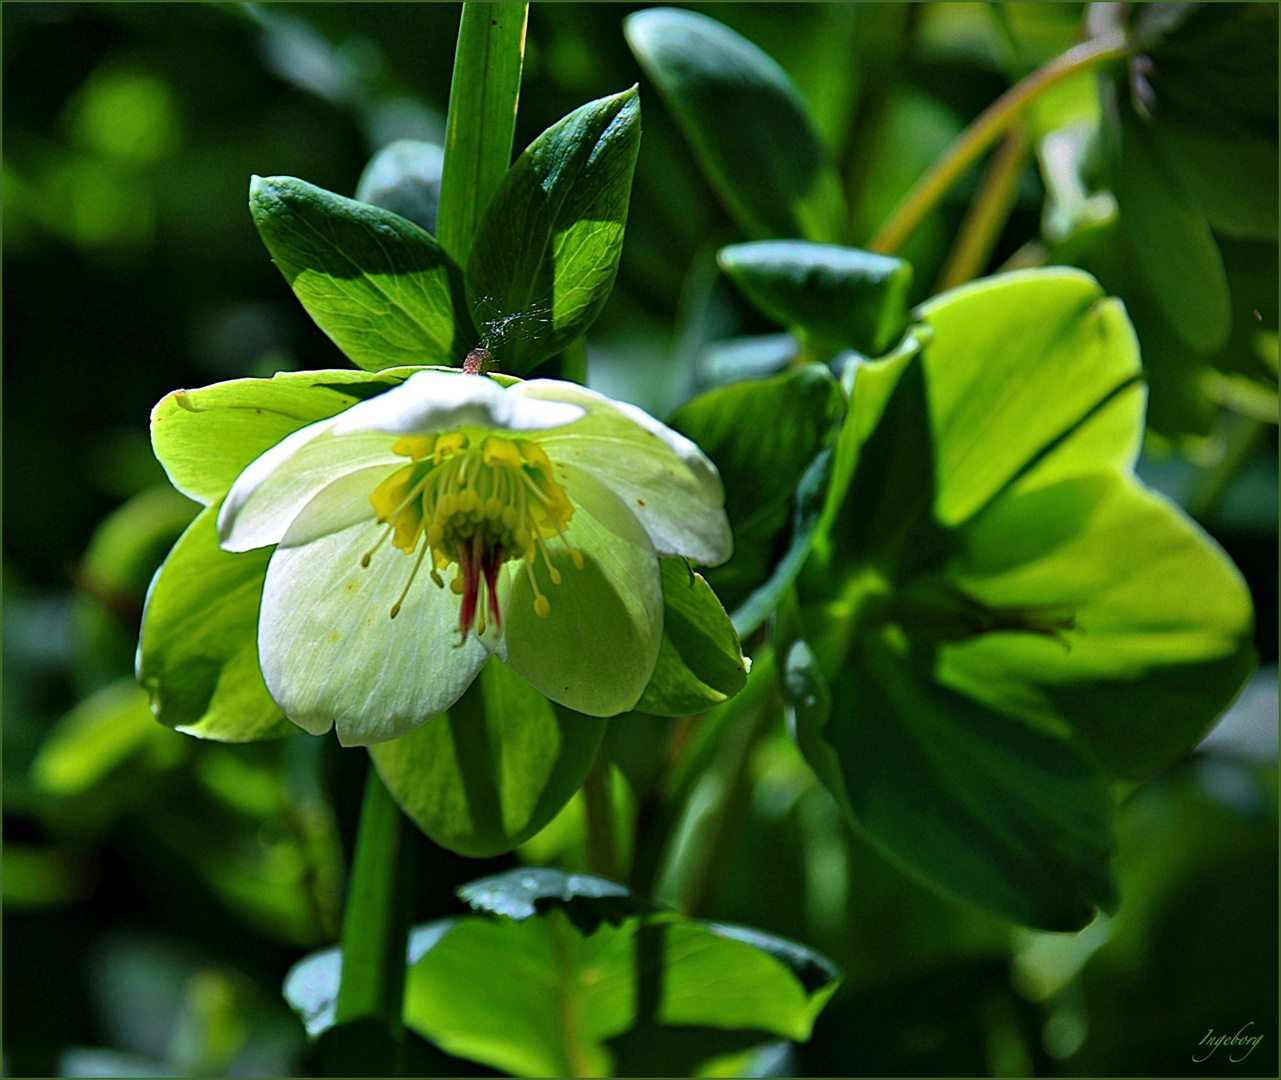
pixel 596 649
pixel 197 653
pixel 276 487
pixel 1161 620
pixel 332 654
pixel 444 401
pixel 664 479
pixel 204 438
pixel 1015 363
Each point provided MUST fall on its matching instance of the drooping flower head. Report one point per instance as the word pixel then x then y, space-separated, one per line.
pixel 453 518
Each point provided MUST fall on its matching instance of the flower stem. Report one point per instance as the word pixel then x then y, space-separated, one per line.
pixel 994 121
pixel 376 922
pixel 481 123
pixel 598 794
pixel 988 213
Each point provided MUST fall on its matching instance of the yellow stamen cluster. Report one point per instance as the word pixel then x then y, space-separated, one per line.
pixel 479 500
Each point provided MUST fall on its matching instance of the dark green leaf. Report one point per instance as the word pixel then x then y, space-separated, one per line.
pixel 198 652
pixel 404 178
pixel 380 287
pixel 486 776
pixel 762 437
pixel 700 661
pixel 993 809
pixel 1176 251
pixel 748 124
pixel 546 252
pixel 841 295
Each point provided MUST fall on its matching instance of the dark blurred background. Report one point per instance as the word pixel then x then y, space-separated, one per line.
pixel 156 889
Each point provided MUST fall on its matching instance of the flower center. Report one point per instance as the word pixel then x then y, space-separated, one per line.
pixel 477 501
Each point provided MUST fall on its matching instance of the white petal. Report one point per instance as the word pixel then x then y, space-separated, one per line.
pixel 331 653
pixel 595 652
pixel 273 490
pixel 664 479
pixel 444 400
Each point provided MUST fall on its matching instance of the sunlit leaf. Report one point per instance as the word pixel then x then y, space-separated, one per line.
pixel 380 287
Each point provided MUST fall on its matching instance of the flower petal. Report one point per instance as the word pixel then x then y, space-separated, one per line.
pixel 669 485
pixel 445 400
pixel 273 490
pixel 331 653
pixel 596 649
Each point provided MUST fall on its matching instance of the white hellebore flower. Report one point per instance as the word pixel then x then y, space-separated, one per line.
pixel 451 518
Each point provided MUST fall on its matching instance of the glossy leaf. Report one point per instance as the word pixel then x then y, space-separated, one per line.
pixel 198 650
pixel 618 994
pixel 567 974
pixel 700 661
pixel 484 777
pixel 762 436
pixel 380 287
pixel 204 438
pixel 748 124
pixel 845 296
pixel 546 252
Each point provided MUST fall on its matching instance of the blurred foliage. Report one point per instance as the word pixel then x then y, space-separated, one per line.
pixel 157 887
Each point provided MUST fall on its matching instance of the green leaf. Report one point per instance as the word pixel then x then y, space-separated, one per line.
pixel 762 436
pixel 556 993
pixel 1172 241
pixel 571 975
pixel 404 177
pixel 748 124
pixel 204 438
pixel 198 651
pixel 700 661
pixel 546 252
pixel 484 777
pixel 1162 623
pixel 992 809
pixel 1006 621
pixel 841 295
pixel 380 287
pixel 483 94
pixel 1015 363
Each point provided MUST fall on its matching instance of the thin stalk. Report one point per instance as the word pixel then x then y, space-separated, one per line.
pixel 375 927
pixel 480 126
pixel 993 122
pixel 599 796
pixel 988 213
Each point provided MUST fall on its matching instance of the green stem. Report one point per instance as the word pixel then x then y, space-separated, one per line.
pixel 375 927
pixel 599 797
pixel 987 214
pixel 481 124
pixel 992 123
